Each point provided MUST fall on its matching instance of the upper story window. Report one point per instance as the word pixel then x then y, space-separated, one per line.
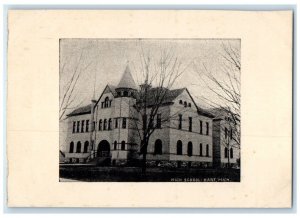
pixel 190 105
pixel 190 149
pixel 200 126
pixel 207 128
pixel 230 133
pixel 180 101
pixel 106 102
pixel 82 126
pixel 74 126
pixel 231 153
pixel 109 124
pixel 78 126
pixel 201 150
pixel 87 125
pixel 158 121
pixel 100 125
pixel 226 152
pixel 124 123
pixel 190 124
pixel 105 124
pixel 125 93
pixel 123 145
pixel 180 121
pixel 116 123
pixel 226 133
pixel 185 104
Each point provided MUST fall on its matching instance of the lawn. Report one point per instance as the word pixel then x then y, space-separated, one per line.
pixel 134 174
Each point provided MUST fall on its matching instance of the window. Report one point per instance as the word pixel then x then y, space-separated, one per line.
pixel 109 124
pixel 190 105
pixel 144 121
pixel 179 147
pixel 78 147
pixel 185 104
pixel 190 149
pixel 180 122
pixel 71 149
pixel 201 150
pixel 207 150
pixel 158 147
pixel 125 93
pixel 105 124
pixel 78 126
pixel 110 103
pixel 201 127
pixel 102 104
pixel 106 102
pixel 100 124
pixel 124 123
pixel 180 101
pixel 123 145
pixel 226 152
pixel 231 153
pixel 86 146
pixel 151 122
pixel 94 126
pixel 116 123
pixel 82 126
pixel 190 124
pixel 207 128
pixel 230 133
pixel 119 93
pixel 74 126
pixel 226 133
pixel 115 145
pixel 87 125
pixel 158 121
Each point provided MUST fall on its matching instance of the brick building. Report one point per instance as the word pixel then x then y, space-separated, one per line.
pixel 107 129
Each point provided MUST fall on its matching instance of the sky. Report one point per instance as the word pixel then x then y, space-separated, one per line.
pixel 103 61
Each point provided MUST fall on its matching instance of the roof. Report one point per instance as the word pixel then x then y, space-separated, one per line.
pixel 127 80
pixel 81 110
pixel 169 95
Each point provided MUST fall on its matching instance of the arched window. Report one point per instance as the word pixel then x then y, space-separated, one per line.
pixel 78 147
pixel 207 150
pixel 125 93
pixel 201 150
pixel 115 145
pixel 71 150
pixel 226 152
pixel 180 101
pixel 106 102
pixel 190 149
pixel 185 104
pixel 158 147
pixel 109 124
pixel 179 147
pixel 100 124
pixel 231 153
pixel 123 145
pixel 105 124
pixel 86 146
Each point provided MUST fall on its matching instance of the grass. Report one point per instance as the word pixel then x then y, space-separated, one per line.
pixel 134 174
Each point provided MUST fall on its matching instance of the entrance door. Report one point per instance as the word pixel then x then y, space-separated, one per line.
pixel 103 149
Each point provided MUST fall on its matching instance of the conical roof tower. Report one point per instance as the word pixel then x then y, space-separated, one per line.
pixel 127 80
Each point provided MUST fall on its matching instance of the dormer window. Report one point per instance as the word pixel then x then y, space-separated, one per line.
pixel 190 105
pixel 185 104
pixel 119 93
pixel 180 101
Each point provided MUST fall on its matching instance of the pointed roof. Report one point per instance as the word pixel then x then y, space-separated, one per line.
pixel 127 80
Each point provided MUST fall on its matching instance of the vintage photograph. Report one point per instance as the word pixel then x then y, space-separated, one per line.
pixel 149 110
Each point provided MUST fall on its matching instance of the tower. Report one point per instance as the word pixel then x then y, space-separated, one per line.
pixel 124 133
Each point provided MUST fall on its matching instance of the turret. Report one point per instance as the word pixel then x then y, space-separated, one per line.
pixel 126 86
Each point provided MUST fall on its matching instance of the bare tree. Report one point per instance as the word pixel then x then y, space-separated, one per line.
pixel 69 96
pixel 224 85
pixel 161 72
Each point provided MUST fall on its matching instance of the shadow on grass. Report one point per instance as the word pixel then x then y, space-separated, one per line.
pixel 134 174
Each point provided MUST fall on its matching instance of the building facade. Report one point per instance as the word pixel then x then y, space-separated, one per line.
pixel 108 129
